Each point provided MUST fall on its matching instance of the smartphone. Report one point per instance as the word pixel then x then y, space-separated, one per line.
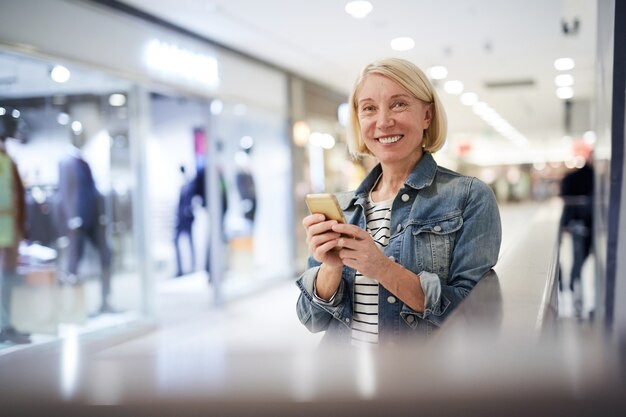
pixel 326 204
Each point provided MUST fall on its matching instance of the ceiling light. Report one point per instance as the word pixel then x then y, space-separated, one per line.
pixel 402 44
pixel 301 133
pixel 564 80
pixel 565 92
pixel 216 107
pixel 324 140
pixel 359 9
pixel 63 119
pixel 453 87
pixel 3 111
pixel 15 113
pixel 564 64
pixel 117 100
pixel 469 99
pixel 59 74
pixel 77 127
pixel 438 72
pixel 246 142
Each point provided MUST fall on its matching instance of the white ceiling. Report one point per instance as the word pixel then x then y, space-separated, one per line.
pixel 479 41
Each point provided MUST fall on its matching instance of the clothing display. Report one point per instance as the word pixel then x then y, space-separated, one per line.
pixel 82 208
pixel 42 215
pixel 12 221
pixel 184 225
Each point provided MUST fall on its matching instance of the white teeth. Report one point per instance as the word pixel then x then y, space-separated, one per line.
pixel 390 139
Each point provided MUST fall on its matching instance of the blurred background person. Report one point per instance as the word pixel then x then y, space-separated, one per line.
pixel 12 229
pixel 577 220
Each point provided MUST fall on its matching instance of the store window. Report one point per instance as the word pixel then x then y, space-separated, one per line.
pixel 76 262
pixel 256 162
pixel 252 160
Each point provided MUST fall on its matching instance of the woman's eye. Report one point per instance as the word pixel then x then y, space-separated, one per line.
pixel 367 109
pixel 398 105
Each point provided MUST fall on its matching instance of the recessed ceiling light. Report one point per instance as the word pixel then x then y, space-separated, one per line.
pixel 59 74
pixel 564 64
pixel 117 100
pixel 438 72
pixel 63 119
pixel 402 44
pixel 77 127
pixel 216 107
pixel 469 98
pixel 564 80
pixel 565 92
pixel 453 87
pixel 359 9
pixel 246 142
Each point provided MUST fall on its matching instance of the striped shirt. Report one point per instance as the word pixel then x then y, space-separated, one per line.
pixel 365 309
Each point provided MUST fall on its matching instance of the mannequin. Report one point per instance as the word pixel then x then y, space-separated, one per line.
pixel 82 212
pixel 184 223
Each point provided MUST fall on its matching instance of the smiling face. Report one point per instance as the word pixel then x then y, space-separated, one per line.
pixel 392 121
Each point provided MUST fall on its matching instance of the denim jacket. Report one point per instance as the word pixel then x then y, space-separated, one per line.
pixel 445 227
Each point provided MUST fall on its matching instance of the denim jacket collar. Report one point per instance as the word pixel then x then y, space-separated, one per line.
pixel 422 176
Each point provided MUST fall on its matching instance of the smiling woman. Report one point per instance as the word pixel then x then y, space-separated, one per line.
pixel 408 251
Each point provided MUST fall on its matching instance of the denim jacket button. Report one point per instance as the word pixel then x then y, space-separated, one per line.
pixel 336 314
pixel 405 197
pixel 399 227
pixel 392 258
pixel 437 228
pixel 410 319
pixel 391 299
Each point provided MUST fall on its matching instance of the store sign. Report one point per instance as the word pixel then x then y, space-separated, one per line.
pixel 172 61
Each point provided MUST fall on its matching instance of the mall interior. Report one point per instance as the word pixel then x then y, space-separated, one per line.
pixel 174 293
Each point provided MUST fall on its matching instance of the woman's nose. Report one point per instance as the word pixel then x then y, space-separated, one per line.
pixel 384 120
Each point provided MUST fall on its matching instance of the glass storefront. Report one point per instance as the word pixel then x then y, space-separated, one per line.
pixel 158 139
pixel 253 162
pixel 80 265
pixel 77 264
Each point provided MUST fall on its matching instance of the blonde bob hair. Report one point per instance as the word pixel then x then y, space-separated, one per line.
pixel 414 81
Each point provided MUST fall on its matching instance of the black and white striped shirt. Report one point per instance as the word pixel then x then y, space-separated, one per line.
pixel 365 309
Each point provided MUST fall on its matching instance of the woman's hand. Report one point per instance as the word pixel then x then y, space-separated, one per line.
pixel 360 252
pixel 321 239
